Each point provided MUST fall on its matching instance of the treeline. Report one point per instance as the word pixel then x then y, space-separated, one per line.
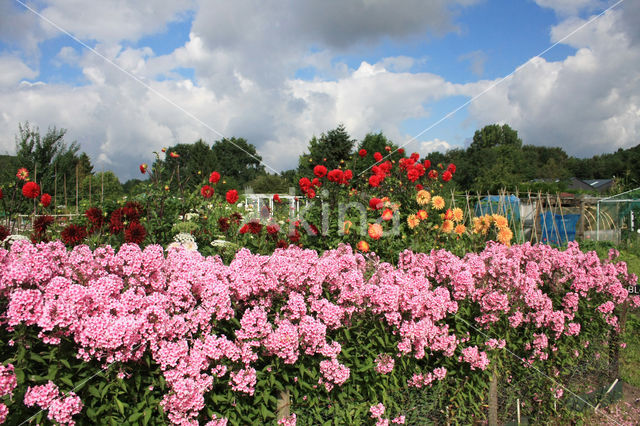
pixel 495 159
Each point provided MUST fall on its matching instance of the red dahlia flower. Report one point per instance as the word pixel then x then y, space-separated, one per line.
pixel 31 190
pixel 143 168
pixel 232 196
pixel 452 168
pixel 174 154
pixel 273 229
pixel 375 180
pixel 135 233
pixel 45 200
pixel 305 184
pixel 335 175
pixel 320 171
pixel 224 224
pixel 73 234
pixel 207 191
pixel 214 177
pixel 375 203
pixel 427 164
pixel 41 223
pixel 276 198
pixel 115 221
pixel 4 233
pixel 255 227
pixel 433 174
pixel 362 153
pixel 377 156
pixel 446 176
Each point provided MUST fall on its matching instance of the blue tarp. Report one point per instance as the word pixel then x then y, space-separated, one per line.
pixel 506 206
pixel 553 229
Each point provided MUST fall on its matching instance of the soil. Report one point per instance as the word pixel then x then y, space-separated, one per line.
pixel 624 412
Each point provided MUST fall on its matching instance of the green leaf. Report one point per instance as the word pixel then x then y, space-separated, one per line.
pixel 67 381
pixel 93 391
pixel 120 405
pixel 35 357
pixel 134 417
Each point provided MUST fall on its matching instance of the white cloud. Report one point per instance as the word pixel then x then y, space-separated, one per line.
pixel 112 21
pixel 588 103
pixel 571 7
pixel 434 145
pixel 244 62
pixel 13 70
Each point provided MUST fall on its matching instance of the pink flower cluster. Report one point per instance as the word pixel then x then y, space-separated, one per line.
pixel 377 411
pixel 116 306
pixel 61 408
pixel 8 383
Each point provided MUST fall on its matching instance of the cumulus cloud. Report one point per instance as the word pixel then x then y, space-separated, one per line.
pixel 112 21
pixel 586 104
pixel 13 70
pixel 245 61
pixel 571 7
pixel 434 145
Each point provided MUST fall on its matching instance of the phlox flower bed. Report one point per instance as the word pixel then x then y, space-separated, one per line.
pixel 177 337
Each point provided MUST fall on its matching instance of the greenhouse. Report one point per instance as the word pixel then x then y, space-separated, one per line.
pixel 618 217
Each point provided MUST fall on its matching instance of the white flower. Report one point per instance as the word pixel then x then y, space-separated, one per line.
pixel 174 245
pixel 220 243
pixel 183 238
pixel 190 246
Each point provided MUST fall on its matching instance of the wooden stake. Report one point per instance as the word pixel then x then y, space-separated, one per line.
pixel 77 187
pixel 493 399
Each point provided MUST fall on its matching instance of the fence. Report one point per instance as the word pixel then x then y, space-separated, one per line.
pixel 558 218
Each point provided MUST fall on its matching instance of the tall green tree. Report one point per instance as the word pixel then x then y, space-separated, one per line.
pixel 237 159
pixel 332 149
pixel 49 155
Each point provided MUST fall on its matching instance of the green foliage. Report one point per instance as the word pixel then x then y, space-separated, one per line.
pixel 332 150
pixel 269 184
pixel 103 185
pixel 48 157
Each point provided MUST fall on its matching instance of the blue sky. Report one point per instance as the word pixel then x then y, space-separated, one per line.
pixel 279 72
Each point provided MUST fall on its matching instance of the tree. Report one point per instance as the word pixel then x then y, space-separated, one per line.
pixel 237 159
pixel 48 156
pixel 332 150
pixel 103 185
pixel 494 135
pixel 496 158
pixel 269 184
